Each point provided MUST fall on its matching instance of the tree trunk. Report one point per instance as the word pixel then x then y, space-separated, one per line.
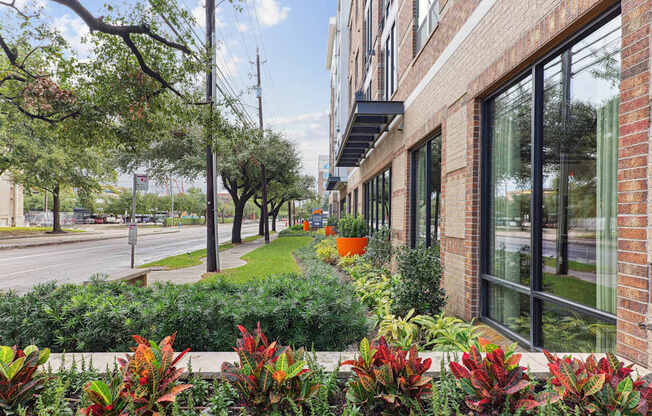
pixel 56 207
pixel 289 213
pixel 261 223
pixel 274 215
pixel 236 231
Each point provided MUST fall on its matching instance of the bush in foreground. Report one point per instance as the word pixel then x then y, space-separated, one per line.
pixel 313 311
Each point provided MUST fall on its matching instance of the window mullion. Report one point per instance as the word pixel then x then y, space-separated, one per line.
pixel 427 190
pixel 536 206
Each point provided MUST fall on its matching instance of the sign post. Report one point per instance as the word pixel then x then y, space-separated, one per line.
pixel 141 183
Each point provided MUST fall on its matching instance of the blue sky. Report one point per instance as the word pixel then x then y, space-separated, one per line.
pixel 292 35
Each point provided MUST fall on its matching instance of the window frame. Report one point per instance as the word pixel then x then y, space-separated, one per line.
pixel 535 291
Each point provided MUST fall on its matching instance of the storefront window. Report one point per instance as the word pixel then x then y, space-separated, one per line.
pixel 426 192
pixel 550 273
pixel 378 200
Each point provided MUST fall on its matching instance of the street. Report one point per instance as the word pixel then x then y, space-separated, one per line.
pixel 23 268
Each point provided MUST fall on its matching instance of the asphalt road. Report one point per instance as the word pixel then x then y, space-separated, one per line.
pixel 578 250
pixel 23 268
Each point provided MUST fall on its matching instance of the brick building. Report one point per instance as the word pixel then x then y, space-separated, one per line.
pixel 515 134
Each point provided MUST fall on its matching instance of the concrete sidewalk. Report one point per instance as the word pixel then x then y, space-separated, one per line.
pixel 55 239
pixel 229 259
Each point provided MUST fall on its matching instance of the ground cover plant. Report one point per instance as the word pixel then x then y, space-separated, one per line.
pixel 273 258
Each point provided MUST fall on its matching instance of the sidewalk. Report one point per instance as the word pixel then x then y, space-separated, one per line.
pixel 229 259
pixel 55 239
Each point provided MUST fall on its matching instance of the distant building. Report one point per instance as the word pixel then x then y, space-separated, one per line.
pixel 323 167
pixel 11 203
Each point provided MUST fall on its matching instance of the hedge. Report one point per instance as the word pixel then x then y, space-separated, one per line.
pixel 170 221
pixel 314 311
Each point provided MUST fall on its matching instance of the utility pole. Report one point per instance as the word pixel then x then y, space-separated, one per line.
pixel 259 92
pixel 212 261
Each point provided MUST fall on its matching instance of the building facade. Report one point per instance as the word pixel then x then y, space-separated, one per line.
pixel 11 203
pixel 514 134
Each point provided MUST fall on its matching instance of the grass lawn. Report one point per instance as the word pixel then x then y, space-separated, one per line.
pixel 572 265
pixel 570 287
pixel 192 258
pixel 275 258
pixel 21 231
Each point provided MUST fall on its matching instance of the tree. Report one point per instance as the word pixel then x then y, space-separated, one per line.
pixel 48 157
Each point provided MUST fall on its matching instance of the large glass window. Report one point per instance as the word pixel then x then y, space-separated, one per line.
pixel 550 198
pixel 426 192
pixel 390 64
pixel 427 20
pixel 378 200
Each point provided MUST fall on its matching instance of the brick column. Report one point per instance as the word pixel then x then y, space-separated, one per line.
pixel 633 184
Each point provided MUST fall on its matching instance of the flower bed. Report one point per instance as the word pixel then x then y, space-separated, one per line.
pixel 264 378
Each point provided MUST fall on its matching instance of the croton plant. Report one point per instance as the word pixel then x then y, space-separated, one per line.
pixel 496 382
pixel 601 387
pixel 388 380
pixel 269 378
pixel 148 381
pixel 20 377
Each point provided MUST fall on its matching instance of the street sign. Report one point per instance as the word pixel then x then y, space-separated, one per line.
pixel 317 221
pixel 133 234
pixel 141 182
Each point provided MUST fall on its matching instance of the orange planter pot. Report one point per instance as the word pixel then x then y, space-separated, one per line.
pixel 329 230
pixel 352 246
pixel 306 226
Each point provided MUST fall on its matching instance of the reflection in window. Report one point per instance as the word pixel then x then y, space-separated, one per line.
pixel 511 183
pixel 578 215
pixel 565 330
pixel 580 170
pixel 378 201
pixel 420 197
pixel 510 308
pixel 426 190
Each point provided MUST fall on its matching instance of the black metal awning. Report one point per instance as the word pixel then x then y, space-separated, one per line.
pixel 368 120
pixel 332 183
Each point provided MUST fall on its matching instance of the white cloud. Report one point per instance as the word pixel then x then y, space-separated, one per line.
pixel 199 13
pixel 242 27
pixel 309 131
pixel 270 12
pixel 73 29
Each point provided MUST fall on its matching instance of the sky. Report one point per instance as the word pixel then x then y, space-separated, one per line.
pixel 292 37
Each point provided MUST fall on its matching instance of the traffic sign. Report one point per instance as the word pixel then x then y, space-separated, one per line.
pixel 142 182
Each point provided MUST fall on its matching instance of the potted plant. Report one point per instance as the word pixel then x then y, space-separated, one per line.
pixel 330 226
pixel 353 236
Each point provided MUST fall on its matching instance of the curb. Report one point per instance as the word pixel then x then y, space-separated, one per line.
pixel 56 243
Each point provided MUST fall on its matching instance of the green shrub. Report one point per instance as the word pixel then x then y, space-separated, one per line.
pixel 379 250
pixel 419 285
pixel 326 250
pixel 352 227
pixel 312 311
pixel 332 221
pixel 168 222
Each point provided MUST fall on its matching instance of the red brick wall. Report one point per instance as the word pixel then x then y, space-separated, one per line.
pixel 633 151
